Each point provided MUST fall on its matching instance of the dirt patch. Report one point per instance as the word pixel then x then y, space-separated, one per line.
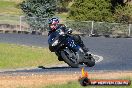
pixel 37 81
pixel 34 81
pixel 111 75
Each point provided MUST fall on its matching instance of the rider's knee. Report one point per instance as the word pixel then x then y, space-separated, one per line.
pixel 51 48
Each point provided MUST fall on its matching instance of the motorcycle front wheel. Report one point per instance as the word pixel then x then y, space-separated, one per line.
pixel 69 57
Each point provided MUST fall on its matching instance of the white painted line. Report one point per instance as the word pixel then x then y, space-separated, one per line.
pixel 17 69
pixel 97 58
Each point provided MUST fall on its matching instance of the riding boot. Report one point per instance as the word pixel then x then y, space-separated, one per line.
pixel 80 43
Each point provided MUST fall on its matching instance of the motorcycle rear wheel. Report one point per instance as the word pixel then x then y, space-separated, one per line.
pixel 91 62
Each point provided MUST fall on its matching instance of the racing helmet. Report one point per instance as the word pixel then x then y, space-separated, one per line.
pixel 53 23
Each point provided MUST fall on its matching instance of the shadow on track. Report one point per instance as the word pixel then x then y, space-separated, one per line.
pixel 63 67
pixel 40 70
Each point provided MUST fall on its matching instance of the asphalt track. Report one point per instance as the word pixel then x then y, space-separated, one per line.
pixel 116 53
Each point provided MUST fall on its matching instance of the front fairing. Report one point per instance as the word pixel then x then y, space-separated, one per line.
pixel 64 40
pixel 54 35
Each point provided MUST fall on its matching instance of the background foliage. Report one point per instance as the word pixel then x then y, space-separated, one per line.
pixel 123 14
pixel 37 10
pixel 101 10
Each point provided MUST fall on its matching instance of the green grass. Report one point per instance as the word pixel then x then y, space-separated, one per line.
pixel 9 12
pixel 9 7
pixel 16 56
pixel 62 16
pixel 77 85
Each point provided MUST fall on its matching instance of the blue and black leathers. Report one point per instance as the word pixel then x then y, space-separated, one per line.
pixel 69 41
pixel 74 41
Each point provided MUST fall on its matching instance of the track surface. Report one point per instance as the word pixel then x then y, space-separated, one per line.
pixel 117 53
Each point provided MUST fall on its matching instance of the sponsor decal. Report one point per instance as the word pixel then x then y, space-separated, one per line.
pixel 84 80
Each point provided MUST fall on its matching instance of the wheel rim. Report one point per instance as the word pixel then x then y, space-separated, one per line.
pixel 71 58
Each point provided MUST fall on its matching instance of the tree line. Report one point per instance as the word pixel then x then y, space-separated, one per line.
pixel 101 10
pixel 80 10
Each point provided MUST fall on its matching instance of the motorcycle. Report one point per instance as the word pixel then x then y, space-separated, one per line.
pixel 64 46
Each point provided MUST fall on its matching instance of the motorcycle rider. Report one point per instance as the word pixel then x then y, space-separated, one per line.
pixel 54 25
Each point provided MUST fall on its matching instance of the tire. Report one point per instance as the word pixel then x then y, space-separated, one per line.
pixel 69 58
pixel 85 81
pixel 91 62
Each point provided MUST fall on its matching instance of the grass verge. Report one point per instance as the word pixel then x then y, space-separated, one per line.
pixel 96 75
pixel 59 80
pixel 77 85
pixel 9 12
pixel 17 56
pixel 9 7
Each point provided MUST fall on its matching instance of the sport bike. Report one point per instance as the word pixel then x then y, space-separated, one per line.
pixel 64 46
